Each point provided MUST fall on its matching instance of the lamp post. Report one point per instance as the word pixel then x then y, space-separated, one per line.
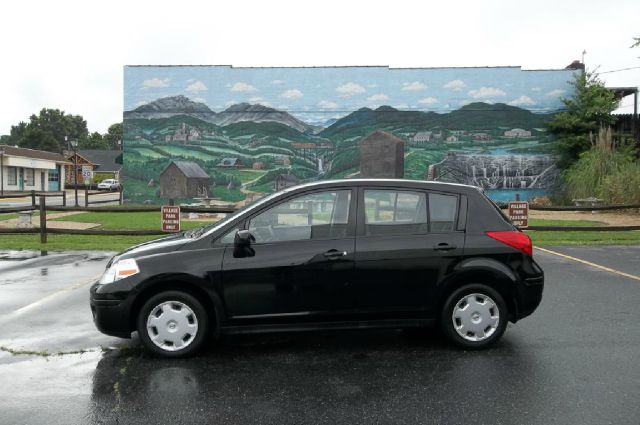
pixel 74 146
pixel 1 171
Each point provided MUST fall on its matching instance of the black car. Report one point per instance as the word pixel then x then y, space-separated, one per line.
pixel 339 254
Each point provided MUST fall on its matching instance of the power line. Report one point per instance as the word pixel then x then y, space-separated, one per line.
pixel 619 70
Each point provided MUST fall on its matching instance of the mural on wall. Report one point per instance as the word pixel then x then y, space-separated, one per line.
pixel 224 134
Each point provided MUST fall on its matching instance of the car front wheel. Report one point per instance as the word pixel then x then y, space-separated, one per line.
pixel 173 324
pixel 474 316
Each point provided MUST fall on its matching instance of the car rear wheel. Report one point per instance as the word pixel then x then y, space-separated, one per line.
pixel 474 316
pixel 173 324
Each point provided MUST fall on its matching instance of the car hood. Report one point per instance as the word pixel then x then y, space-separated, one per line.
pixel 157 246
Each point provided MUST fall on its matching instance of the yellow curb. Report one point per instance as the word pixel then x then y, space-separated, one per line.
pixel 589 263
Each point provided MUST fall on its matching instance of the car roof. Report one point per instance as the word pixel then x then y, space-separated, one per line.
pixel 396 183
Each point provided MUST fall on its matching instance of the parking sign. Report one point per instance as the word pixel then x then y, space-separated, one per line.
pixel 170 218
pixel 519 213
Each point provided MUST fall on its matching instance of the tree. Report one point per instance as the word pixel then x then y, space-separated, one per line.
pixel 94 141
pixel 114 135
pixel 47 131
pixel 585 113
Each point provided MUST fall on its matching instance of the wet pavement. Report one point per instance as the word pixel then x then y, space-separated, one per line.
pixel 575 361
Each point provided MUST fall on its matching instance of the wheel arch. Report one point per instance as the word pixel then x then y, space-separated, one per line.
pixel 495 277
pixel 185 283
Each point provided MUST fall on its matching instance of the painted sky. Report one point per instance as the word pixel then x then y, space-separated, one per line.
pixel 315 94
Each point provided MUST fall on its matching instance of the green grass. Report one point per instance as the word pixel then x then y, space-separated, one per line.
pixel 148 152
pixel 71 242
pixel 585 238
pixel 10 216
pixel 128 221
pixel 560 223
pixel 245 175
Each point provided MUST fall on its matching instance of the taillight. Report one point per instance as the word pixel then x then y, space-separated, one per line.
pixel 514 239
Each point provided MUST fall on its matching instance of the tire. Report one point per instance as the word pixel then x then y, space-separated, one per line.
pixel 173 324
pixel 479 327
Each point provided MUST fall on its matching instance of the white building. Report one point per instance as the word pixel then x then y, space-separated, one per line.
pixel 423 136
pixel 517 132
pixel 452 139
pixel 29 169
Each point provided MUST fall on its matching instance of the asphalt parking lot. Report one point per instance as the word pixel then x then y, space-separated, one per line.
pixel 575 361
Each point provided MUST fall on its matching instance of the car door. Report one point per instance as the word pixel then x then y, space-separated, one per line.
pixel 303 247
pixel 407 240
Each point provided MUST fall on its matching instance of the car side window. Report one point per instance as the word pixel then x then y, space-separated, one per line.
pixel 229 237
pixel 442 212
pixel 321 215
pixel 393 212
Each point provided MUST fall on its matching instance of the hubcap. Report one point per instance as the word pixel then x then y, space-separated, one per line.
pixel 475 317
pixel 172 325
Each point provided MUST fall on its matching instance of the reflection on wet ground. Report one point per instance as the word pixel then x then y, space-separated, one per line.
pixel 574 361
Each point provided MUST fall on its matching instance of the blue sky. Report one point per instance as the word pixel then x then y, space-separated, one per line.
pixel 317 94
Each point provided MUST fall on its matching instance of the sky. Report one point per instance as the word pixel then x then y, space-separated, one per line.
pixel 71 54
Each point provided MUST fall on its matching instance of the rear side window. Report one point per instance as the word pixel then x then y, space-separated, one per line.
pixel 391 212
pixel 442 212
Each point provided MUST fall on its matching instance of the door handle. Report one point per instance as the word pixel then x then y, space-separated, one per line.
pixel 334 254
pixel 443 246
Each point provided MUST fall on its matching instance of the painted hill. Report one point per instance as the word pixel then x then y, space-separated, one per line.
pixel 474 116
pixel 259 113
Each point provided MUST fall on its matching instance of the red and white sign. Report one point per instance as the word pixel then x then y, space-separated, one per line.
pixel 170 218
pixel 519 213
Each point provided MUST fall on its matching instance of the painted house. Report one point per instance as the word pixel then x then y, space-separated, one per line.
pixel 381 156
pixel 230 163
pixel 285 180
pixel 517 132
pixel 29 169
pixel 183 179
pixel 423 136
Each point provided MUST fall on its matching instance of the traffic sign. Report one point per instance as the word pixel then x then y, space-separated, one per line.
pixel 170 218
pixel 519 213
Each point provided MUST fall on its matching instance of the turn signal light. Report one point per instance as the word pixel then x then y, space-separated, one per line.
pixel 514 239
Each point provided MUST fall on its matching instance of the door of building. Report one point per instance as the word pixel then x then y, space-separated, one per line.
pixel 54 179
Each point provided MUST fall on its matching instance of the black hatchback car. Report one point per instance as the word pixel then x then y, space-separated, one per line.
pixel 339 254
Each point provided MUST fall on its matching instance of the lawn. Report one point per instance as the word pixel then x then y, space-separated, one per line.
pixel 128 221
pixel 560 223
pixel 631 237
pixel 71 242
pixel 10 216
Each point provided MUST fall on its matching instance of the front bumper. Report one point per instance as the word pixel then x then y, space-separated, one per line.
pixel 111 316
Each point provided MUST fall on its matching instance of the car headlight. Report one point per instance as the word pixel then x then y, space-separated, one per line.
pixel 119 270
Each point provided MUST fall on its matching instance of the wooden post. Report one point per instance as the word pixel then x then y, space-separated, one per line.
pixel 86 196
pixel 43 220
pixel 121 197
pixel 33 198
pixel 171 201
pixel 64 198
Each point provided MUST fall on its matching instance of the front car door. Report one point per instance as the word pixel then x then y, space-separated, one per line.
pixel 304 247
pixel 407 240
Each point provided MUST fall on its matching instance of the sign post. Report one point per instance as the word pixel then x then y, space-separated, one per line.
pixel 87 171
pixel 519 213
pixel 170 218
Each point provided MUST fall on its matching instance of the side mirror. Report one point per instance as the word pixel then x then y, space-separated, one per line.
pixel 242 244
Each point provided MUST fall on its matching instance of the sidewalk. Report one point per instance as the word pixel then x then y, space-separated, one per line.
pixel 13 223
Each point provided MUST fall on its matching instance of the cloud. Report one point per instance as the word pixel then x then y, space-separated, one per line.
pixel 277 82
pixel 555 93
pixel 487 92
pixel 414 86
pixel 256 99
pixel 428 100
pixel 455 85
pixel 378 98
pixel 349 89
pixel 196 87
pixel 292 94
pixel 522 101
pixel 372 86
pixel 243 87
pixel 155 83
pixel 327 104
pixel 535 89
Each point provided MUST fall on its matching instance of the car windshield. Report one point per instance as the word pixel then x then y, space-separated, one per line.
pixel 210 228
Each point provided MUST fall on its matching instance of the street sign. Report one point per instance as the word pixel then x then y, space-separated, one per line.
pixel 519 213
pixel 87 171
pixel 170 218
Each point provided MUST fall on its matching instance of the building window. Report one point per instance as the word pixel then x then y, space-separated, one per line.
pixel 13 176
pixel 29 176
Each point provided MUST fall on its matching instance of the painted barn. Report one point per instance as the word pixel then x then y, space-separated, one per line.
pixel 183 179
pixel 381 156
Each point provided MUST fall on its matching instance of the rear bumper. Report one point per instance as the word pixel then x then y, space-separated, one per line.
pixel 111 316
pixel 528 296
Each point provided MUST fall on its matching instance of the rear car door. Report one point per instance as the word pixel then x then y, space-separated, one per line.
pixel 304 247
pixel 407 240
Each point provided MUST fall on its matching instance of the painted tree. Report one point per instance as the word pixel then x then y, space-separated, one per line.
pixel 589 109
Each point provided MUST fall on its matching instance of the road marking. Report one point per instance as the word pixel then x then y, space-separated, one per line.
pixel 49 297
pixel 589 263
